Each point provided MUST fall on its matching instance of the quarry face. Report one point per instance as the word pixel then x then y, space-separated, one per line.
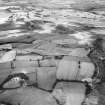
pixel 52 52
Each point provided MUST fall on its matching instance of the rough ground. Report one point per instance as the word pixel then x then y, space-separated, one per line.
pixel 48 40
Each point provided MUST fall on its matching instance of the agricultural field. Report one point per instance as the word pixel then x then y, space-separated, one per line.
pixel 52 52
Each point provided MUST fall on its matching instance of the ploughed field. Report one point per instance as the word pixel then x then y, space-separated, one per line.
pixel 52 52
